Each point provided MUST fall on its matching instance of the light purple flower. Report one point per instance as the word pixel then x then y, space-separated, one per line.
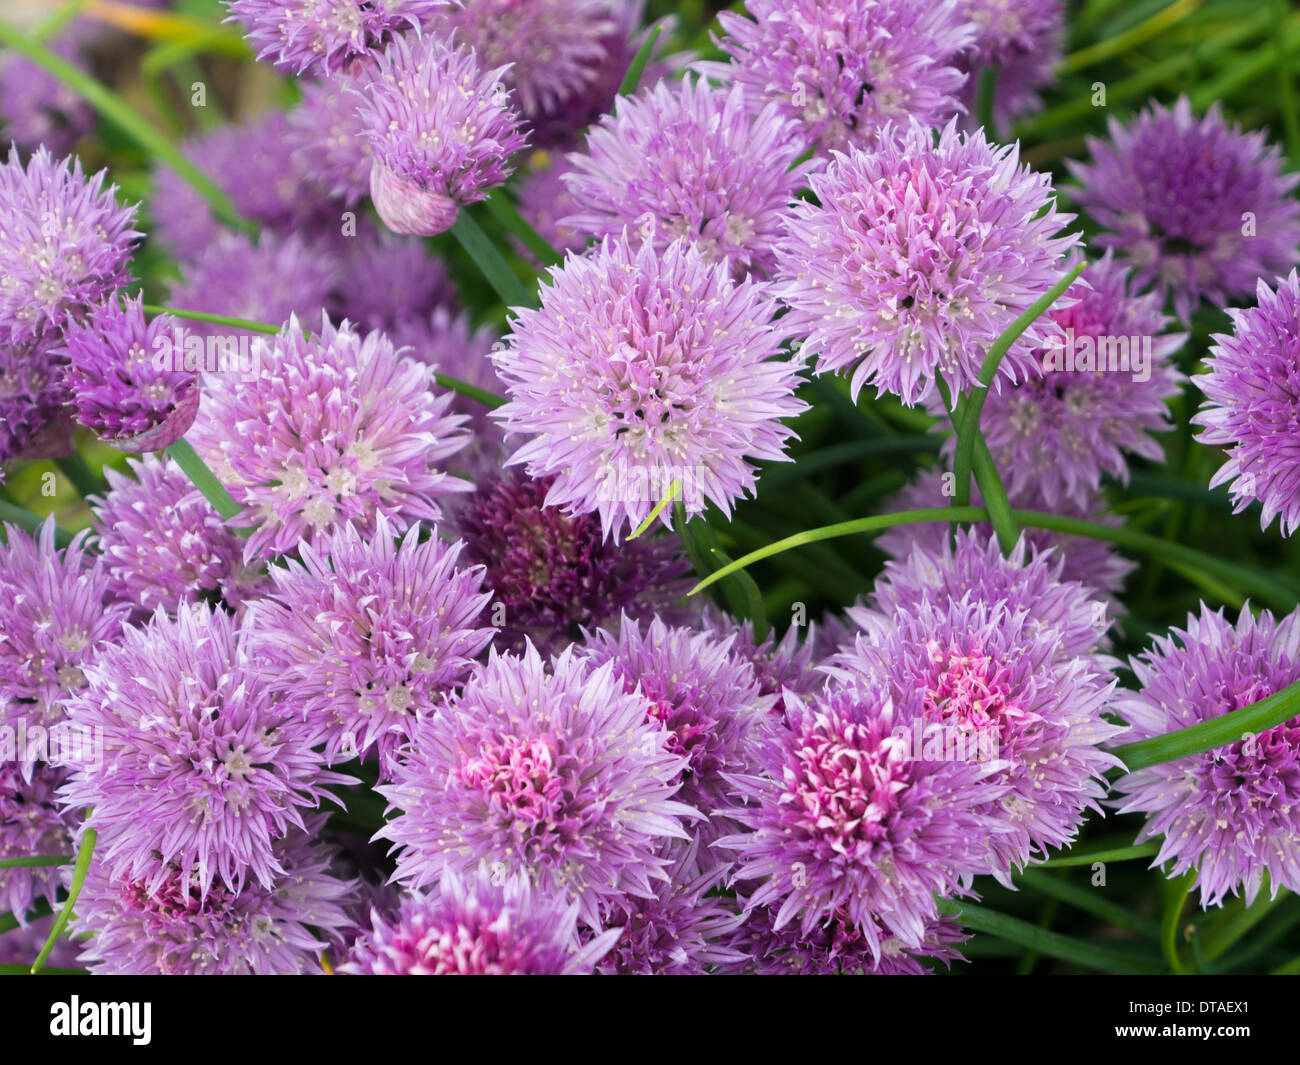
pixel 1231 813
pixel 642 368
pixel 315 37
pixel 441 132
pixel 918 257
pixel 1199 208
pixel 204 769
pixel 1252 404
pixel 1023 40
pixel 32 399
pixel 386 281
pixel 119 387
pixel 340 428
pixel 163 545
pixel 37 110
pixel 31 822
pixel 365 634
pixel 166 928
pixel 56 616
pixel 483 925
pixel 326 136
pixel 689 161
pixel 555 773
pixel 65 244
pixel 842 70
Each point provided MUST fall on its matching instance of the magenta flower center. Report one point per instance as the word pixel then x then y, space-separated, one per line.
pixel 520 779
pixel 970 690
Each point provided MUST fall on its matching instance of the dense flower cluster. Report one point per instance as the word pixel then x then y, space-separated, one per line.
pixel 357 485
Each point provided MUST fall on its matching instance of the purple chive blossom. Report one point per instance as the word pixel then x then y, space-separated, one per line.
pixel 1028 579
pixel 790 663
pixel 1252 404
pixel 365 634
pixel 844 823
pixel 1231 813
pixel 1103 387
pixel 561 124
pixel 343 430
pixel 254 164
pixel 117 385
pixel 483 925
pixel 553 575
pixel 36 109
pixel 385 281
pixel 325 137
pixel 704 698
pixel 688 161
pixel 999 687
pixel 552 772
pixel 56 615
pixel 643 368
pixel 552 47
pixel 65 244
pixel 31 822
pixel 267 281
pixel 838 947
pixel 446 342
pixel 315 37
pixel 842 70
pixel 1093 563
pixel 169 928
pixel 22 945
pixel 163 545
pixel 684 929
pixel 204 769
pixel 32 398
pixel 1022 39
pixel 1199 208
pixel 918 257
pixel 440 129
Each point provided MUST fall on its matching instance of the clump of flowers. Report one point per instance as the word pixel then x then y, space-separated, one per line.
pixel 558 772
pixel 844 70
pixel 1200 209
pixel 65 244
pixel 169 927
pixel 163 545
pixel 1252 404
pixel 481 925
pixel 364 634
pixel 314 37
pixel 1102 387
pixel 39 111
pixel 689 161
pixel 554 574
pixel 441 132
pixel 343 430
pixel 32 399
pixel 1022 40
pixel 642 368
pixel 124 378
pixel 1232 813
pixel 917 257
pixel 31 822
pixel 204 768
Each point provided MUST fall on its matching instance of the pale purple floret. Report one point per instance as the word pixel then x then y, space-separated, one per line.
pixel 642 369
pixel 690 161
pixel 441 132
pixel 1200 209
pixel 365 634
pixel 31 823
pixel 917 257
pixel 1252 404
pixel 842 70
pixel 1231 813
pixel 1022 40
pixel 482 925
pixel 204 770
pixel 554 770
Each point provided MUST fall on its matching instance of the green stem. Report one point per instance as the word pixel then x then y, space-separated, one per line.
pixel 1090 900
pixel 30 522
pixel 986 92
pixel 505 212
pixel 995 497
pixel 247 324
pixel 1179 890
pixel 184 455
pixel 633 76
pixel 8 921
pixel 86 481
pixel 479 395
pixel 79 871
pixel 1129 39
pixel 490 261
pixel 134 124
pixel 1112 854
pixel 1286 90
pixel 36 861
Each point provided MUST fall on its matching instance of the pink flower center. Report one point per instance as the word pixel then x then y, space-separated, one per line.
pixel 970 690
pixel 519 777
